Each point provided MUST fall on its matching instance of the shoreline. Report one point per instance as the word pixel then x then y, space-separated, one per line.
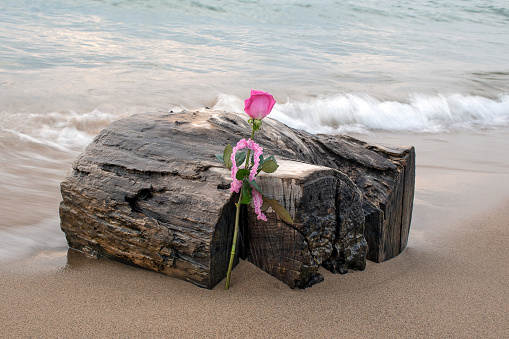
pixel 438 287
pixel 450 281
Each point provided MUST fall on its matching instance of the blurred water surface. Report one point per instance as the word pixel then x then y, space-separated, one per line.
pixel 68 68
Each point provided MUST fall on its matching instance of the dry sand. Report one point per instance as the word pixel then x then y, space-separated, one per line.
pixel 451 281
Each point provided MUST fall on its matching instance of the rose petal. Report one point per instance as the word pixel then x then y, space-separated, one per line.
pixel 259 104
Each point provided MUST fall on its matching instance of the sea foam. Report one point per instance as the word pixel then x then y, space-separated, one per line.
pixel 65 131
pixel 361 113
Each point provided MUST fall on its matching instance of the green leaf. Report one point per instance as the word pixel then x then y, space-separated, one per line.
pixel 240 157
pixel 255 185
pixel 269 166
pixel 241 173
pixel 220 157
pixel 265 205
pixel 280 210
pixel 227 154
pixel 270 158
pixel 262 159
pixel 246 193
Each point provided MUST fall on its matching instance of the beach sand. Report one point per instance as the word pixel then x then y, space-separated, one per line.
pixel 451 280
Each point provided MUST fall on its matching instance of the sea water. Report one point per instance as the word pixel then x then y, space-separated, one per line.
pixel 68 68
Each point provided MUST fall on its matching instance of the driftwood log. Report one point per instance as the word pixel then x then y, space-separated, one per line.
pixel 149 192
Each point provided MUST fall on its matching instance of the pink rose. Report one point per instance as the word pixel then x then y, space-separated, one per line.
pixel 259 104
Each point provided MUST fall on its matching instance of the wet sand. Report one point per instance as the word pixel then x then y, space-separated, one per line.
pixel 451 280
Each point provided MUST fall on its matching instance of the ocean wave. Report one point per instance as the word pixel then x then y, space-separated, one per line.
pixel 63 131
pixel 361 113
pixel 333 114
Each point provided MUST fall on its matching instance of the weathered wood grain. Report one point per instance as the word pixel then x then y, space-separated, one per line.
pixel 149 192
pixel 326 208
pixel 385 175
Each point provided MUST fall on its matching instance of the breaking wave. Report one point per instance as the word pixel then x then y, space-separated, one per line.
pixel 360 113
pixel 64 131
